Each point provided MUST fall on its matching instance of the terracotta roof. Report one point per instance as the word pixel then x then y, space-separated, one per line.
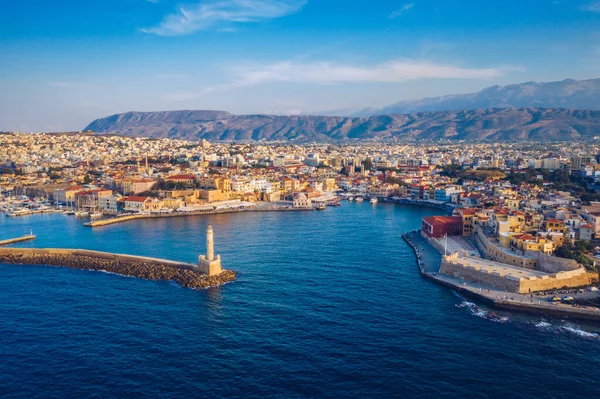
pixel 442 219
pixel 72 188
pixel 181 177
pixel 466 211
pixel 527 237
pixel 136 198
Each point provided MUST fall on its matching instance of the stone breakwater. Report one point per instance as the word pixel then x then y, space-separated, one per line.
pixel 125 265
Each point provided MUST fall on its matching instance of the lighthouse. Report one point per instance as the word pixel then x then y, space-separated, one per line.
pixel 210 264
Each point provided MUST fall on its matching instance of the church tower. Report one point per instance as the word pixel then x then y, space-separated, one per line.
pixel 210 264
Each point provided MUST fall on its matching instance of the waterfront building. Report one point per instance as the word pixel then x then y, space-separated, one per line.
pixel 66 195
pixel 135 203
pixel 91 199
pixel 302 201
pixel 439 226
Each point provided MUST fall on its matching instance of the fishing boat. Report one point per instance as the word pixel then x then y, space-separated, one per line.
pixel 335 203
pixel 321 208
pixel 350 198
pixel 373 200
pixel 96 215
pixel 359 199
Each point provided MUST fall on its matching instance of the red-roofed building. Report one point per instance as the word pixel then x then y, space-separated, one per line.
pixel 439 226
pixel 135 203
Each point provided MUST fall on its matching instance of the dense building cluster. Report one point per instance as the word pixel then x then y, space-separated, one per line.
pixel 528 197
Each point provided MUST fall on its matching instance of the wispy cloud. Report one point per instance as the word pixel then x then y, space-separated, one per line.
pixel 591 7
pixel 327 73
pixel 402 10
pixel 221 14
pixel 396 71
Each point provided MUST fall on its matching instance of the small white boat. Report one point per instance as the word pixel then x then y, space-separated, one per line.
pixel 359 199
pixel 373 200
pixel 82 213
pixel 350 198
pixel 96 215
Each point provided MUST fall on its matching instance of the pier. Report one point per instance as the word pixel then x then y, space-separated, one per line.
pixel 26 237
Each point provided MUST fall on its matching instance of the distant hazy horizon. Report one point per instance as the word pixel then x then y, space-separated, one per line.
pixel 60 68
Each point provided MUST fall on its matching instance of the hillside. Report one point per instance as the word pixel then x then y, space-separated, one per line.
pixel 507 124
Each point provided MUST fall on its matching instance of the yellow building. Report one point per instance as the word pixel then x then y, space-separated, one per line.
pixel 555 225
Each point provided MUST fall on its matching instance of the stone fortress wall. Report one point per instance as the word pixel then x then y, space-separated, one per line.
pixel 510 278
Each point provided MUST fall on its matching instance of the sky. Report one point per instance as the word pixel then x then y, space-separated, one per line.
pixel 64 63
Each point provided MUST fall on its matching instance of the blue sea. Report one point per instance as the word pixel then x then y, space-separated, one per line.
pixel 327 305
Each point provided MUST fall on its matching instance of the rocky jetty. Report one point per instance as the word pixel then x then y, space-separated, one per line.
pixel 187 278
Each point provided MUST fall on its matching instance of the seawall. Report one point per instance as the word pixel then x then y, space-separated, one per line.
pixel 496 300
pixel 127 265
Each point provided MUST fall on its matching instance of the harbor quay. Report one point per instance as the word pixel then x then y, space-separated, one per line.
pixel 127 218
pixel 206 273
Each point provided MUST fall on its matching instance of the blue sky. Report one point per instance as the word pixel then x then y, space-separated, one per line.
pixel 64 63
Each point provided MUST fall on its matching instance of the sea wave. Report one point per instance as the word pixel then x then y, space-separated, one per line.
pixel 568 329
pixel 477 311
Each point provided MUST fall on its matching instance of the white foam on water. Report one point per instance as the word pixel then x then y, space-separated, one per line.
pixel 577 331
pixel 566 329
pixel 543 325
pixel 477 311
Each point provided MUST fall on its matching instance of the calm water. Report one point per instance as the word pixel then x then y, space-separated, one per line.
pixel 327 305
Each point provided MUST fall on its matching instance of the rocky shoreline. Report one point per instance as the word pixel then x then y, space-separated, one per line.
pixel 186 277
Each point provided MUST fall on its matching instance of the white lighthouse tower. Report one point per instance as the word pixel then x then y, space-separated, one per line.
pixel 210 264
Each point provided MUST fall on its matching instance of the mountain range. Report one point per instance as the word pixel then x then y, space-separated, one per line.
pixel 568 93
pixel 498 124
pixel 565 110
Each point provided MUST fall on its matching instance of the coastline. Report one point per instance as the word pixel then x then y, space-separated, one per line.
pixel 500 300
pixel 184 274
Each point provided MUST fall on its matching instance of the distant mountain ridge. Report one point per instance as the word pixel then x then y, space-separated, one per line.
pixel 568 94
pixel 498 124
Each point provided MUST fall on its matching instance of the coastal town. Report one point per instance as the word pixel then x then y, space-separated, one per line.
pixel 521 218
